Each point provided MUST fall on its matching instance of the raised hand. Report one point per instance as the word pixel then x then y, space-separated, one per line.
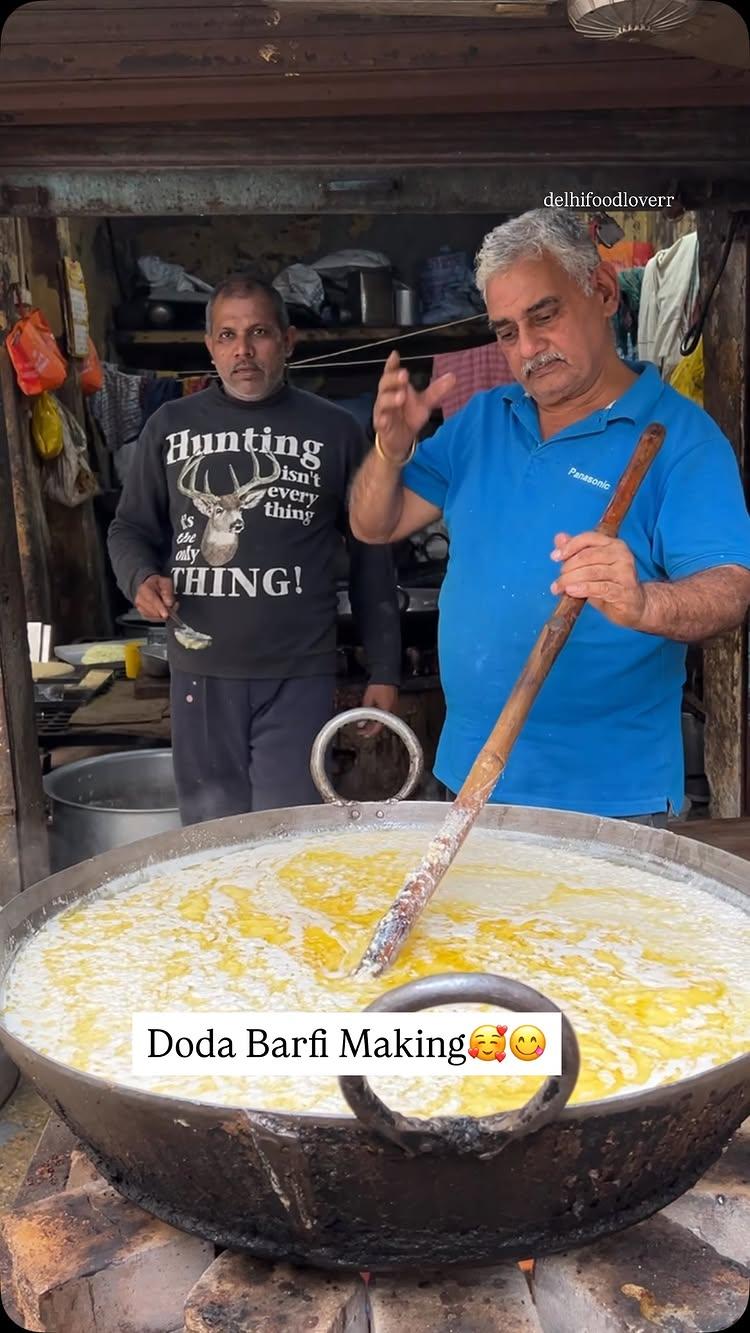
pixel 400 411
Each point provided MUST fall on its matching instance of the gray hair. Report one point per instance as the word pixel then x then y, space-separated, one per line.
pixel 246 284
pixel 560 234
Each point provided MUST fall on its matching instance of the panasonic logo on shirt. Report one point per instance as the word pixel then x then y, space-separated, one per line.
pixel 590 481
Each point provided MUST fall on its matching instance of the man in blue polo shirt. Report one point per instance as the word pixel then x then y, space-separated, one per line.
pixel 522 475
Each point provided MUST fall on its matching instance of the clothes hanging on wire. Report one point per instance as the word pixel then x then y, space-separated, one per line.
pixel 668 297
pixel 626 320
pixel 157 391
pixel 475 369
pixel 375 345
pixel 117 407
pixel 195 384
pixel 123 405
pixel 626 253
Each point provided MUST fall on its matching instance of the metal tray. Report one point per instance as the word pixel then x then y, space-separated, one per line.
pixel 53 710
pixel 74 653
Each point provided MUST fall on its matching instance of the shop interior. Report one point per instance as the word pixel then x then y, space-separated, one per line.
pixel 356 286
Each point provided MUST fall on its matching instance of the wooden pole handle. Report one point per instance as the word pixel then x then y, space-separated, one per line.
pixel 493 757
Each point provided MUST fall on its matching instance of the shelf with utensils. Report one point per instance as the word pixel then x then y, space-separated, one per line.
pixel 184 350
pixel 340 333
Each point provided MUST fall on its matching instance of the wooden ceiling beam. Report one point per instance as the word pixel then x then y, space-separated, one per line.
pixel 74 23
pixel 669 139
pixel 274 56
pixel 518 89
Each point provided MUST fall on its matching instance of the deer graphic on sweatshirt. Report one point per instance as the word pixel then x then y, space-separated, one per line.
pixel 224 512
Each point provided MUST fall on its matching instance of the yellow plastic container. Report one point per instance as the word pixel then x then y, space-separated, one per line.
pixel 132 660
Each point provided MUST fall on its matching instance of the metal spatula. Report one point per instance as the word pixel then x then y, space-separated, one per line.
pixel 187 637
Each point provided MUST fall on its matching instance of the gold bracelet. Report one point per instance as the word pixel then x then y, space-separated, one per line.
pixel 379 450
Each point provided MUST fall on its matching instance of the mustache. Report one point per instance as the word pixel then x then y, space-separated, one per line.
pixel 246 365
pixel 537 362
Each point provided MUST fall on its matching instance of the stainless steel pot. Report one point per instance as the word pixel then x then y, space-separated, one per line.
pixel 135 626
pixel 155 660
pixel 375 1190
pixel 418 607
pixel 109 801
pixel 411 601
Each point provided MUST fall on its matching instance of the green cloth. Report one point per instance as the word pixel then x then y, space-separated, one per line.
pixel 626 320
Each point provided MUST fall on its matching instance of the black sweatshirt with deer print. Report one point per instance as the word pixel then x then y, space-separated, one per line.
pixel 244 505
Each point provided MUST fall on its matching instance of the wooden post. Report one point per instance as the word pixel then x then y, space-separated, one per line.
pixel 31 521
pixel 725 344
pixel 23 828
pixel 23 831
pixel 77 574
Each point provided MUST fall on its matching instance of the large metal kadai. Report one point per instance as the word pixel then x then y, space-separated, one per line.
pixel 374 1190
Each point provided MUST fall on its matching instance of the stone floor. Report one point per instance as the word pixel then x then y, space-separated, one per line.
pixel 22 1120
pixel 76 1257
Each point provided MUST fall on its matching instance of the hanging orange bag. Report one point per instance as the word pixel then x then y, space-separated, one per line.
pixel 37 360
pixel 91 377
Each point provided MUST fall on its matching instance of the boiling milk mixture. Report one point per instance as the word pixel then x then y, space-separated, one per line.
pixel 651 970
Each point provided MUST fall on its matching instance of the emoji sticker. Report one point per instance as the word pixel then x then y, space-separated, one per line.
pixel 527 1042
pixel 487 1042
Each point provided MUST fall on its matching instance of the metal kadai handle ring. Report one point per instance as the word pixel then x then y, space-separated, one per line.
pixel 481 1136
pixel 326 734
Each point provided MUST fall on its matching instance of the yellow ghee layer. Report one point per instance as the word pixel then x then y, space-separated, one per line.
pixel 652 971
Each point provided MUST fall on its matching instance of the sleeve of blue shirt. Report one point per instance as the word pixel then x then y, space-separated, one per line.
pixel 703 520
pixel 429 473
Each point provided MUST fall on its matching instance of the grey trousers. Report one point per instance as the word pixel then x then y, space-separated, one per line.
pixel 242 745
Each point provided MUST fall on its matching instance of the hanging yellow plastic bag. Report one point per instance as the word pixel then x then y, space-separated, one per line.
pixel 69 480
pixel 46 427
pixel 687 376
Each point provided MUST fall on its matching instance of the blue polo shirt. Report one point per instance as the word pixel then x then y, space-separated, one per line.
pixel 604 734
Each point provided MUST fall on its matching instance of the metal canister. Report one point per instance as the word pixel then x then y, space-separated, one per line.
pixel 405 301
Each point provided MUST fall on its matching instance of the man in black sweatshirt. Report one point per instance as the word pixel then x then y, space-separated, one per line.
pixel 234 509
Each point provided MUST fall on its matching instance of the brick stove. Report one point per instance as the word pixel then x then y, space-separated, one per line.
pixel 75 1257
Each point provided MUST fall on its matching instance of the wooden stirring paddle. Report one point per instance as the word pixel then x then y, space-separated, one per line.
pixel 418 888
